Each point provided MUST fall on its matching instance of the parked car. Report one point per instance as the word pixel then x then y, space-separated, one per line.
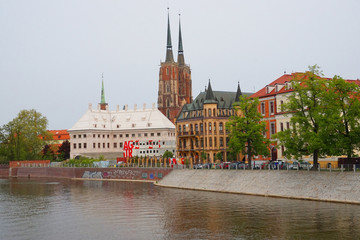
pixel 207 165
pixel 295 166
pixel 198 166
pixel 242 165
pixel 306 165
pixel 225 165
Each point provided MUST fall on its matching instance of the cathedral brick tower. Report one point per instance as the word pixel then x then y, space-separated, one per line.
pixel 174 80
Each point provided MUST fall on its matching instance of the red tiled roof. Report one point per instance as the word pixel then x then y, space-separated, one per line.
pixel 282 80
pixel 60 134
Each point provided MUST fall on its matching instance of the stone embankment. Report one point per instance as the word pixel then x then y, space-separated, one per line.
pixel 131 174
pixel 341 187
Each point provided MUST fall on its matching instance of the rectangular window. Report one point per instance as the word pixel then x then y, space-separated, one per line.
pixel 210 141
pixel 127 135
pixel 120 135
pixel 262 108
pixel 79 145
pixel 99 145
pixel 94 145
pixel 74 145
pixel 108 145
pixel 215 144
pixel 152 134
pixel 74 136
pixel 145 134
pixel 281 126
pixel 272 128
pixel 139 134
pixel 84 135
pixel 221 142
pixel 114 135
pixel 201 142
pixel 287 125
pixel 103 145
pixel 210 127
pixel 271 108
pixel 79 135
pixel 115 145
pixel 121 145
pixel 133 135
pixel 94 135
pixel 201 127
pixel 85 145
pixel 98 135
pixel 158 134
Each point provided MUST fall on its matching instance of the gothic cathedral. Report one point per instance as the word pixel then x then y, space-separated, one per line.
pixel 174 80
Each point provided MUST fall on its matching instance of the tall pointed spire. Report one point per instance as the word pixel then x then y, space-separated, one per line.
pixel 102 90
pixel 169 52
pixel 103 103
pixel 181 60
pixel 209 98
pixel 238 93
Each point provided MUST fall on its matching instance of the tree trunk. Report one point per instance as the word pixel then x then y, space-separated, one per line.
pixel 249 154
pixel 315 158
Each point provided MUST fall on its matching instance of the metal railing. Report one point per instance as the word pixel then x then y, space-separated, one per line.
pixel 207 166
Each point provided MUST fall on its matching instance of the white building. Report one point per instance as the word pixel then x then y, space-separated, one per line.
pixel 122 133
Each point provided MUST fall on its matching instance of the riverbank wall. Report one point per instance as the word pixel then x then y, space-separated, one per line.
pixel 4 172
pixel 137 174
pixel 341 187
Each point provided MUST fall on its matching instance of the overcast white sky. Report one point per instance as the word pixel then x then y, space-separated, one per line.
pixel 52 53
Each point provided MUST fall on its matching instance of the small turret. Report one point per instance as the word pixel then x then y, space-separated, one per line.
pixel 238 93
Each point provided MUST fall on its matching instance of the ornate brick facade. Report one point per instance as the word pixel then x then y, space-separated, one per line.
pixel 174 81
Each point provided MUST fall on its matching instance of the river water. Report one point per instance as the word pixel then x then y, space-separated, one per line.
pixel 66 209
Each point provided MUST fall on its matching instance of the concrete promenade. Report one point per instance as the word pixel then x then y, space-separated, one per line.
pixel 341 187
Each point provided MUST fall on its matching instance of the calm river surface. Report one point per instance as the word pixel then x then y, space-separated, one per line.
pixel 65 209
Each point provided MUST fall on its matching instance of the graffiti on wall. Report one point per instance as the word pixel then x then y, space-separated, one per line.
pixel 96 175
pixel 117 174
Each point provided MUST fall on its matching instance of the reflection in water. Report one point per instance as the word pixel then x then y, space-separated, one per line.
pixel 66 209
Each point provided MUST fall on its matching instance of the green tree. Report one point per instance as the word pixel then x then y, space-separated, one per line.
pixel 203 156
pixel 168 154
pixel 309 119
pixel 246 129
pixel 47 153
pixel 23 137
pixel 219 156
pixel 343 116
pixel 64 150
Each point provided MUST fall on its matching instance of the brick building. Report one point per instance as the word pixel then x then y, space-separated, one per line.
pixel 174 80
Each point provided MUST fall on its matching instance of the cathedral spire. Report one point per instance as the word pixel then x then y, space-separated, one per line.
pixel 103 103
pixel 169 52
pixel 181 60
